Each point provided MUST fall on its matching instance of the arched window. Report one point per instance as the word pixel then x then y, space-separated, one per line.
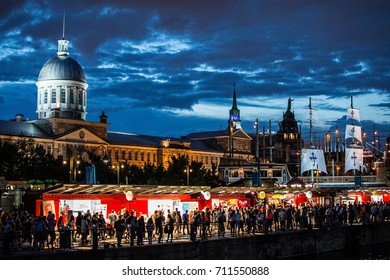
pixel 63 99
pixel 71 96
pixel 80 98
pixel 53 96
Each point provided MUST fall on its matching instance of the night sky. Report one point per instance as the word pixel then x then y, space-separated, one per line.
pixel 167 68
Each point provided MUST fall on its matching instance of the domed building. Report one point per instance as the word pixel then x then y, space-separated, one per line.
pixel 62 87
pixel 63 130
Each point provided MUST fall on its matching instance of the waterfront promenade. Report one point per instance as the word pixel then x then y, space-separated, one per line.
pixel 272 243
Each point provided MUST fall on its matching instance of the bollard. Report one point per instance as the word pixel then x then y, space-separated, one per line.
pixel 95 239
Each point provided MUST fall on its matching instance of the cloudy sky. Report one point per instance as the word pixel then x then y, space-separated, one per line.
pixel 167 68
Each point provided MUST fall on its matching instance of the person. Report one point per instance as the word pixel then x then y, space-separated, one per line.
pixel 179 221
pixel 51 227
pixel 39 230
pixel 119 226
pixel 169 227
pixel 149 229
pixel 268 220
pixel 194 226
pixel 141 231
pixel 133 230
pixel 159 227
pixel 221 224
pixel 71 226
pixel 27 230
pixel 185 220
pixel 282 219
pixel 60 223
pixel 112 217
pixel 78 224
pixel 7 237
pixel 101 223
pixel 237 221
pixel 84 229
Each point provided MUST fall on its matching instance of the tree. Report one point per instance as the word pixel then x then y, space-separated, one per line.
pixel 25 160
pixel 175 172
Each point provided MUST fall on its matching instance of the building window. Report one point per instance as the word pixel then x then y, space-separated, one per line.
pixel 148 157
pixel 45 98
pixel 154 157
pixel 71 96
pixel 63 95
pixel 123 154
pixel 142 156
pixel 53 96
pixel 207 160
pixel 80 98
pixel 136 155
pixel 130 155
pixel 116 155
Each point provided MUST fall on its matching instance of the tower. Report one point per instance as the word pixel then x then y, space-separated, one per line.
pixel 234 113
pixel 62 87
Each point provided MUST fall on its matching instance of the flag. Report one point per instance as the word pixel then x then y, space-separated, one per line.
pixel 353 159
pixel 353 114
pixel 352 131
pixel 313 159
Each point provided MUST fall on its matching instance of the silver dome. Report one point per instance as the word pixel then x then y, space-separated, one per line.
pixel 62 68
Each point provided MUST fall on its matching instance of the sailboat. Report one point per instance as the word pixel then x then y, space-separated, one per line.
pixel 312 158
pixel 353 141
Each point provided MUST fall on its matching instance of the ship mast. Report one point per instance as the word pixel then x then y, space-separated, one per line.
pixel 311 123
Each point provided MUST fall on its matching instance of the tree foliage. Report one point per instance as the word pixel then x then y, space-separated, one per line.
pixel 24 159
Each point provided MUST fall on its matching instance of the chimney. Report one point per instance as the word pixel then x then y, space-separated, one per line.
pixel 19 117
pixel 103 118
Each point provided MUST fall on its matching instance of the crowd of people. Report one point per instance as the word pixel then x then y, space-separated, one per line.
pixel 21 229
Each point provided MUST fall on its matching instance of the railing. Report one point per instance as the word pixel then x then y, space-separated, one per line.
pixel 338 179
pixel 65 240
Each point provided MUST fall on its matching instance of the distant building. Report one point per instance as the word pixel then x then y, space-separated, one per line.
pixel 283 146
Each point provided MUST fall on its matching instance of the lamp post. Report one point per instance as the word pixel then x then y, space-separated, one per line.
pixel 75 171
pixel 257 154
pixel 188 170
pixel 118 169
pixel 73 164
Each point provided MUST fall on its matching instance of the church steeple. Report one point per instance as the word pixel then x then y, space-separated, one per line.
pixel 234 113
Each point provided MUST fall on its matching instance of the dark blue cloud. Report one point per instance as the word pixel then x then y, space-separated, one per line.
pixel 171 61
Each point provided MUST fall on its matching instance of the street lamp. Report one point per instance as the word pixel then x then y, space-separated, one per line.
pixel 73 164
pixel 257 153
pixel 188 170
pixel 118 168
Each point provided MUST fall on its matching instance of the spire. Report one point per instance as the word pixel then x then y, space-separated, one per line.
pixel 63 44
pixel 234 113
pixel 63 27
pixel 234 106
